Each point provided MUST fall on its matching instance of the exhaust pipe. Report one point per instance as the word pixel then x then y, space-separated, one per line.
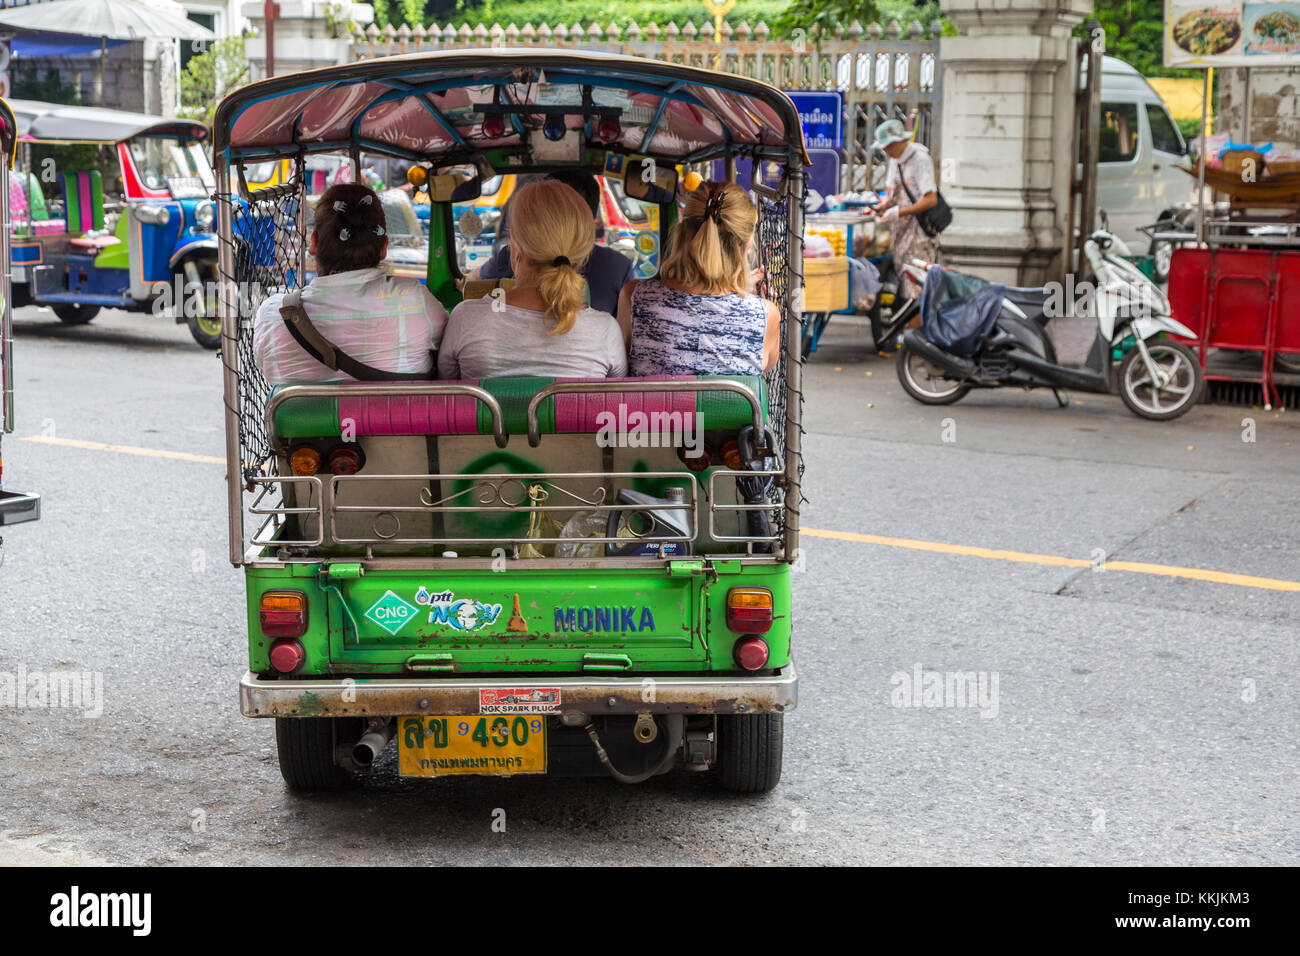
pixel 372 743
pixel 953 364
pixel 1078 379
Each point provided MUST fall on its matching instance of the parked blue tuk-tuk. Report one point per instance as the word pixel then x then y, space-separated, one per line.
pixel 15 506
pixel 113 209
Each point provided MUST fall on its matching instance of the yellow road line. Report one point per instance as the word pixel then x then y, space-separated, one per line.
pixel 123 449
pixel 911 544
pixel 1053 560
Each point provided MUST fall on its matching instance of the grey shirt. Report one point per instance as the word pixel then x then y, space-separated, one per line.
pixel 606 271
pixel 483 342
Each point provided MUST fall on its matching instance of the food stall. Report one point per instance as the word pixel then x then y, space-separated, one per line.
pixel 1238 284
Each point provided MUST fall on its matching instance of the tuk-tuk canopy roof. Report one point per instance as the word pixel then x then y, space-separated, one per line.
pixel 52 122
pixel 427 105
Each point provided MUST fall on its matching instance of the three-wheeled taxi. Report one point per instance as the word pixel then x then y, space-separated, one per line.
pixel 512 575
pixel 15 506
pixel 113 209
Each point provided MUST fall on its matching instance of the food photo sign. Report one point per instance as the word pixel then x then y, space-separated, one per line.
pixel 1238 33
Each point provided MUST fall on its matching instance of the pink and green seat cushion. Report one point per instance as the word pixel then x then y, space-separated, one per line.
pixel 568 413
pixel 83 200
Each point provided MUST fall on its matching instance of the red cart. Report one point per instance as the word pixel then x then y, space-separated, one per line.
pixel 1241 294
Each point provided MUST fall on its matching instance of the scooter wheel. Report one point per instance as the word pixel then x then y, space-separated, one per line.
pixel 1180 372
pixel 925 382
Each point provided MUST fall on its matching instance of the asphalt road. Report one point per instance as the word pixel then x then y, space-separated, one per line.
pixel 1139 717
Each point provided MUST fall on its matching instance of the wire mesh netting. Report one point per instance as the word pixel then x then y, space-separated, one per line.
pixel 780 275
pixel 267 245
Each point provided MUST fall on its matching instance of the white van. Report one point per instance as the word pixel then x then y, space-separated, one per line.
pixel 1139 146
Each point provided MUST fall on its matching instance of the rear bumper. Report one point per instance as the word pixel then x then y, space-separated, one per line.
pixel 401 697
pixel 16 507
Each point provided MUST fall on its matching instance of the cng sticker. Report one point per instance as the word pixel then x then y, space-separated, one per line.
pixel 390 612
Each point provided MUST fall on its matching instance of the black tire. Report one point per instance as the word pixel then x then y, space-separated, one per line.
pixel 209 338
pixel 903 365
pixel 1188 370
pixel 70 314
pixel 306 747
pixel 749 751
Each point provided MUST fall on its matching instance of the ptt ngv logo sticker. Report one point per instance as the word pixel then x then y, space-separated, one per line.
pixel 463 614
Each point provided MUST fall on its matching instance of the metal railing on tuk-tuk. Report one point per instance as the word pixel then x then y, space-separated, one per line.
pixel 442 101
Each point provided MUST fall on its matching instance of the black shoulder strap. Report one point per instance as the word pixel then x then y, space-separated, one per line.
pixel 327 353
pixel 902 181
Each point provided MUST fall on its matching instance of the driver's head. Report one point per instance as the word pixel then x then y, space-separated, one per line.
pixel 584 184
pixel 349 231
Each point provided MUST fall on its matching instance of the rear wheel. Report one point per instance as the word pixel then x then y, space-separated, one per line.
pixel 70 314
pixel 925 382
pixel 306 747
pixel 1175 388
pixel 749 751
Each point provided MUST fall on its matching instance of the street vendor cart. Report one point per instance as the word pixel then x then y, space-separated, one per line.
pixel 1237 285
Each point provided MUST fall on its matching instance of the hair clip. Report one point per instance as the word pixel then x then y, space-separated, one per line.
pixel 713 208
pixel 343 234
pixel 379 230
pixel 365 200
pixel 340 206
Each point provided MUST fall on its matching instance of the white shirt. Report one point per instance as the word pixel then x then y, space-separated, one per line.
pixel 389 322
pixel 487 342
pixel 916 166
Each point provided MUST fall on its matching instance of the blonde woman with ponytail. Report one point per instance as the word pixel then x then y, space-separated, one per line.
pixel 699 316
pixel 542 326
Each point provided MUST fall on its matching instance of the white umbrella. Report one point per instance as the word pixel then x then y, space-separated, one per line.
pixel 108 20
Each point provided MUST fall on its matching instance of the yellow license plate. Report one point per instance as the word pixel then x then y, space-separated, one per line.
pixel 492 744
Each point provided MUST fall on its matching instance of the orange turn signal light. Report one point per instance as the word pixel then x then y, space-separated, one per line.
pixel 304 460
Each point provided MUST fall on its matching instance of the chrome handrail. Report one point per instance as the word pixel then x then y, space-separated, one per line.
pixel 389 390
pixel 744 391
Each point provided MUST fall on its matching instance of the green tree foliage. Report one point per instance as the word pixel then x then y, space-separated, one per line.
pixel 783 16
pixel 210 76
pixel 50 89
pixel 804 14
pixel 1135 34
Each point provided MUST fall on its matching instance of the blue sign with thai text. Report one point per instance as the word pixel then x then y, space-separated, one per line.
pixel 821 113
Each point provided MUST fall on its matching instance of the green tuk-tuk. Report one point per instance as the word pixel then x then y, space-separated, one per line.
pixel 472 568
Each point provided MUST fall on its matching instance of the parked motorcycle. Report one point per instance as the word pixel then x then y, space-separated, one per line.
pixel 975 334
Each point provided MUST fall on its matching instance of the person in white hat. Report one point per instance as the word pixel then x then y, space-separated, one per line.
pixel 911 170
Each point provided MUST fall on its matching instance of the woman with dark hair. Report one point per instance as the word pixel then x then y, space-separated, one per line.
pixel 390 323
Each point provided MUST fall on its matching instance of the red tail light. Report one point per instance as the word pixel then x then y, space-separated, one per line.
pixel 751 653
pixel 287 656
pixel 749 610
pixel 346 460
pixel 283 613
